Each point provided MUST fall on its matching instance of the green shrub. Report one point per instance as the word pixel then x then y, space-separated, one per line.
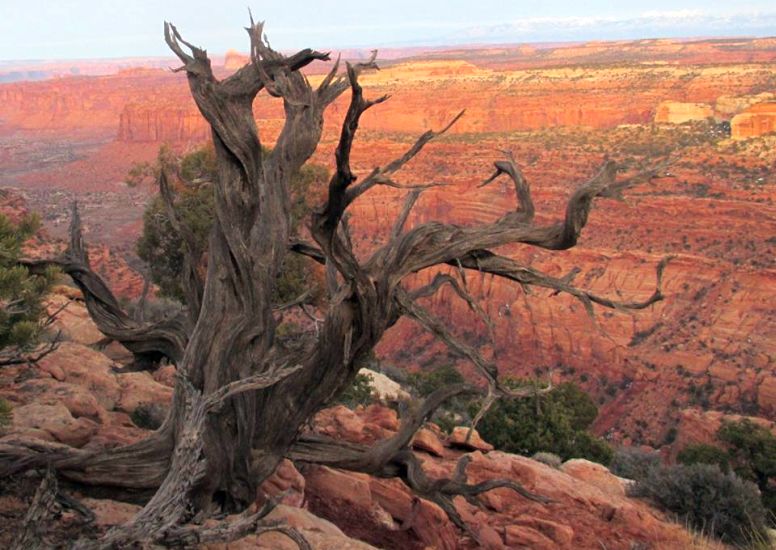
pixel 554 422
pixel 455 411
pixel 704 454
pixel 21 292
pixel 702 496
pixel 634 463
pixel 752 450
pixel 424 383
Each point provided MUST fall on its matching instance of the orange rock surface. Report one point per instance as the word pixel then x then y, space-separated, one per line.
pixel 676 112
pixel 756 121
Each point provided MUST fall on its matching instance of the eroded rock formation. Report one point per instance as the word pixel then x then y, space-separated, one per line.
pixel 755 121
pixel 676 112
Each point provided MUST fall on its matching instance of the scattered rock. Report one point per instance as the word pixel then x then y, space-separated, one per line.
pixel 460 438
pixel 426 440
pixel 286 478
pixel 85 367
pixel 56 420
pixel 139 388
pixel 321 534
pixel 110 512
pixel 385 388
pixel 596 475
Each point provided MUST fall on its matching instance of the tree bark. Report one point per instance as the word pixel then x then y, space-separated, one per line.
pixel 226 348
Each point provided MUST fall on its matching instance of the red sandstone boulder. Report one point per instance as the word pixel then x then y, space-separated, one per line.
pixel 80 365
pixel 382 417
pixel 361 426
pixel 72 319
pixel 285 479
pixel 521 536
pixel 165 375
pixel 595 474
pixel 56 420
pixel 467 438
pixel 48 391
pixel 139 388
pixel 426 440
pixel 381 511
pixel 321 534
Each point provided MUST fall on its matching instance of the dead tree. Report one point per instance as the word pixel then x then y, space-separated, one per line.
pixel 243 396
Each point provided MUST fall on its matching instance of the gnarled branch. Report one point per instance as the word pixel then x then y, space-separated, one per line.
pixel 149 342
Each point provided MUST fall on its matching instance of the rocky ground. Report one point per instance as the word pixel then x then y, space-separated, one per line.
pixel 78 396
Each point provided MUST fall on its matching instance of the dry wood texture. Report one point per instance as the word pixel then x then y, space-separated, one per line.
pixel 238 408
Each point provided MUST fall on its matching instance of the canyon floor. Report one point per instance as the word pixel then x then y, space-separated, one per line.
pixel 662 377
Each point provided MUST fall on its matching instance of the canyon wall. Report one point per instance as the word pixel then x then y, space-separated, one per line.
pixel 676 112
pixel 152 105
pixel 757 120
pixel 170 123
pixel 710 344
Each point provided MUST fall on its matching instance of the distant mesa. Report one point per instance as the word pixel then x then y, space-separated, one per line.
pixel 172 123
pixel 757 120
pixel 728 106
pixel 676 112
pixel 234 60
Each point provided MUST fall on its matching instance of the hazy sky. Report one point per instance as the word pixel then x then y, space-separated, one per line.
pixel 71 29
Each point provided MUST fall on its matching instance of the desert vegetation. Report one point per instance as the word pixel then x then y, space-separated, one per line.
pixel 21 292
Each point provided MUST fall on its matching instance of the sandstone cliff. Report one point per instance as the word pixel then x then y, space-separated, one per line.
pixel 172 123
pixel 756 121
pixel 675 112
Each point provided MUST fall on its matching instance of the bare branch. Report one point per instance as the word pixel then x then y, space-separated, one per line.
pixel 15 356
pixel 343 177
pixel 149 342
pixel 380 175
pixel 486 368
pixel 525 205
pixel 485 261
pixel 404 214
pixel 258 381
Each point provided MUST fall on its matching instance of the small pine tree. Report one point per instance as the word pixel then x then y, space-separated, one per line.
pixel 21 292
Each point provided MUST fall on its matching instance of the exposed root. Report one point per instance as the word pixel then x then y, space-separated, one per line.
pixel 40 512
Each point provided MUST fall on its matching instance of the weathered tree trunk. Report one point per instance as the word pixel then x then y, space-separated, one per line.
pixel 243 394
